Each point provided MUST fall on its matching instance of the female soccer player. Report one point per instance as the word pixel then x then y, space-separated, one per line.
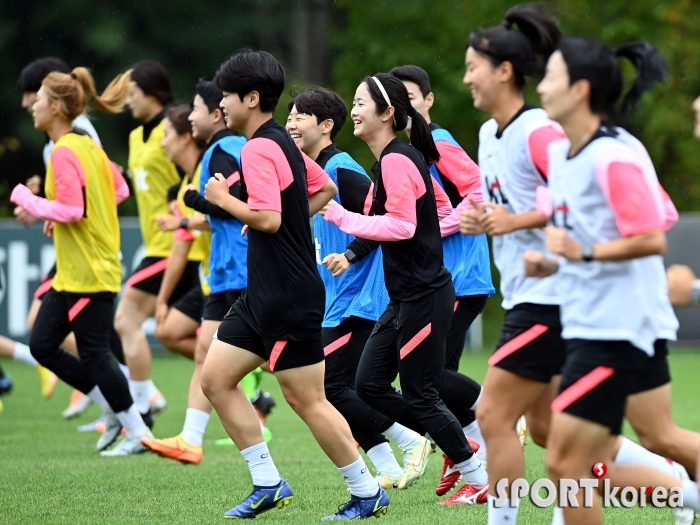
pixel 512 158
pixel 610 220
pixel 81 214
pixel 409 337
pixel 278 316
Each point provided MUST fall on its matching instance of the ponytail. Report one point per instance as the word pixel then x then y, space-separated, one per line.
pixel 422 138
pixel 114 95
pixel 527 48
pixel 597 63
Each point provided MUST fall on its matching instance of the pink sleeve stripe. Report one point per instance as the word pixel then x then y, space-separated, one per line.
pixel 233 178
pixel 518 342
pixel 374 227
pixel 338 343
pixel 183 235
pixel 442 201
pixel 538 140
pixel 369 199
pixel 417 339
pixel 267 174
pixel 457 166
pixel 275 354
pixel 316 177
pixel 670 208
pixel 581 387
pixel 78 307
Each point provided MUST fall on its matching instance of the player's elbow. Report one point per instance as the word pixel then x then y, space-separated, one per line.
pixel 269 222
pixel 656 242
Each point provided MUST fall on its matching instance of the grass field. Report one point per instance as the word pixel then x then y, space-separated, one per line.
pixel 49 473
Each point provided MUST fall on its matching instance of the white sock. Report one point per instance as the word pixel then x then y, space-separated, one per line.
pixel 402 436
pixel 139 391
pixel 133 423
pixel 691 495
pixel 472 472
pixel 635 454
pixel 261 466
pixel 195 426
pixel 505 515
pixel 152 388
pixel 476 403
pixel 125 371
pixel 473 431
pixel 96 395
pixel 359 479
pixel 384 460
pixel 558 517
pixel 23 354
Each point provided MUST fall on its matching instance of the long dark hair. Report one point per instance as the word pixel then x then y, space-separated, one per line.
pixel 421 137
pixel 526 48
pixel 598 63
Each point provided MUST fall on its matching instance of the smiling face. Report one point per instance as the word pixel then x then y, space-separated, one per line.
pixel 696 107
pixel 305 130
pixel 203 122
pixel 482 79
pixel 558 97
pixel 364 116
pixel 43 110
pixel 172 143
pixel 235 110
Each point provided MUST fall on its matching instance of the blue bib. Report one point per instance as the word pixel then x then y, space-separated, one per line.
pixel 227 260
pixel 466 257
pixel 360 291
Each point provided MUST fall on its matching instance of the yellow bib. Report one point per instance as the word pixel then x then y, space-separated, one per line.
pixel 152 175
pixel 202 238
pixel 87 251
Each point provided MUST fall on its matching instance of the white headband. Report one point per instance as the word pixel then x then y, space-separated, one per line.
pixel 386 96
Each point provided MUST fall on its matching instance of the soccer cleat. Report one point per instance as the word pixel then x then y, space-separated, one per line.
pixel 48 381
pixel 112 430
pixel 261 500
pixel 684 515
pixel 388 482
pixel 79 403
pixel 148 419
pixel 174 448
pixel 450 474
pixel 5 383
pixel 415 459
pixel 263 404
pixel 127 447
pixel 361 508
pixel 467 495
pixel 521 429
pixel 157 402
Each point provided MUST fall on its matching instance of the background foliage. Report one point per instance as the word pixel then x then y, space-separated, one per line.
pixel 335 44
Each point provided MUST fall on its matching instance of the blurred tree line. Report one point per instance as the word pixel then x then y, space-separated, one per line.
pixel 334 44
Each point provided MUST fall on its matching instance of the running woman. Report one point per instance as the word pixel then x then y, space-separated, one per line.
pixel 228 273
pixel 523 372
pixel 355 299
pixel 81 215
pixel 610 220
pixel 152 174
pixel 466 257
pixel 410 336
pixel 278 316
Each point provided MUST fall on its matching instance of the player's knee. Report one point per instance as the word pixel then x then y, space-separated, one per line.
pixel 557 465
pixel 538 431
pixel 661 443
pixel 208 382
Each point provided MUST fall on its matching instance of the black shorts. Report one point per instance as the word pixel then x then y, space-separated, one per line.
pixel 597 378
pixel 148 277
pixel 217 305
pixel 45 285
pixel 192 303
pixel 655 372
pixel 530 344
pixel 343 346
pixel 282 355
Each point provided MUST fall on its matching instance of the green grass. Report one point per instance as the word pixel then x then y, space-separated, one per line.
pixel 49 473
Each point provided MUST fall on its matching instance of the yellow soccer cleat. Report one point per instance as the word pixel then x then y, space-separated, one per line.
pixel 388 482
pixel 174 448
pixel 415 459
pixel 521 429
pixel 48 381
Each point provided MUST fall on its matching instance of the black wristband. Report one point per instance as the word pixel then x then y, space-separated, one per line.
pixel 184 223
pixel 350 256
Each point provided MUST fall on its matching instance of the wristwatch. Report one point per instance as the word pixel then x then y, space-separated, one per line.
pixel 695 292
pixel 587 252
pixel 350 256
pixel 184 223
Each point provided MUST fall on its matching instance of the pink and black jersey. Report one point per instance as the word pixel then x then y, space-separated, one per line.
pixel 603 193
pixel 285 298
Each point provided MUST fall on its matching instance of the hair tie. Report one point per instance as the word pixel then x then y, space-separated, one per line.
pixel 75 77
pixel 385 95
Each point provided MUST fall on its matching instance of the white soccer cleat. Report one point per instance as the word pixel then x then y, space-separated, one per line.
pixel 157 402
pixel 521 429
pixel 127 447
pixel 112 430
pixel 684 515
pixel 79 403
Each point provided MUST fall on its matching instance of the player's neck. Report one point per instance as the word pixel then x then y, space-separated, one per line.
pixel 57 128
pixel 379 141
pixel 188 158
pixel 316 149
pixel 153 112
pixel 256 119
pixel 580 127
pixel 506 108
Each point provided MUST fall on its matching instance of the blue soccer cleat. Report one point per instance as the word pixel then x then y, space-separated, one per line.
pixel 361 508
pixel 260 500
pixel 5 383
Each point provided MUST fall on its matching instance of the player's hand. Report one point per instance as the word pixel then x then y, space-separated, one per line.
pixel 161 312
pixel 498 221
pixel 167 223
pixel 559 242
pixel 469 223
pixel 680 282
pixel 538 265
pixel 23 216
pixel 216 189
pixel 191 187
pixel 48 229
pixel 337 263
pixel 34 184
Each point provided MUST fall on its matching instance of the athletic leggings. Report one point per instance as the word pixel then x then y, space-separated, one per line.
pixel 409 340
pixel 343 346
pixel 90 318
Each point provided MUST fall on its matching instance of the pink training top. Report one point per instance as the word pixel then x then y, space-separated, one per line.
pixel 403 184
pixel 464 173
pixel 538 140
pixel 267 174
pixel 69 180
